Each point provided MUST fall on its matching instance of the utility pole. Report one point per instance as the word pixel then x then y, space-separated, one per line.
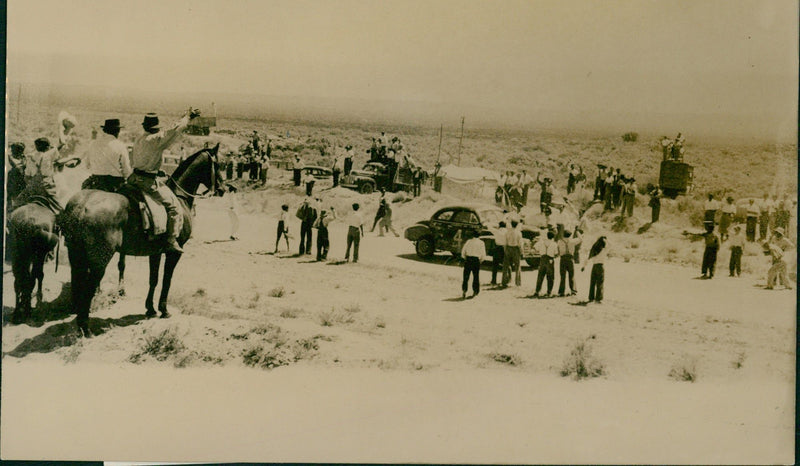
pixel 440 143
pixel 460 139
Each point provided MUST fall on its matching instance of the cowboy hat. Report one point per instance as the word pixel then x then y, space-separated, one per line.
pixel 779 231
pixel 111 124
pixel 151 121
pixel 42 144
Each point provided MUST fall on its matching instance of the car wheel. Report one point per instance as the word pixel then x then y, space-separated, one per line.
pixel 425 248
pixel 366 188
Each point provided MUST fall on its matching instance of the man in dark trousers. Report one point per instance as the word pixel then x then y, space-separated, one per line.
pixel 497 252
pixel 547 250
pixel 473 253
pixel 297 170
pixel 566 263
pixel 307 215
pixel 348 159
pixel 417 178
pixel 710 253
pixel 655 204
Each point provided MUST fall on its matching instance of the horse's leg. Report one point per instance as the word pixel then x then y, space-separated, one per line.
pixel 20 266
pixel 155 265
pixel 38 274
pixel 121 268
pixel 169 268
pixel 79 274
pixel 95 274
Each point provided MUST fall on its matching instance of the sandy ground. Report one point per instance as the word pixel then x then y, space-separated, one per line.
pixel 396 366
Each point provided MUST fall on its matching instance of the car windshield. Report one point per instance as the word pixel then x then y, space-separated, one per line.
pixel 491 217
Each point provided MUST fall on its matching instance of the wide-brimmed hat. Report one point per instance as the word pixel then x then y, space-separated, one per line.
pixel 112 124
pixel 780 231
pixel 19 146
pixel 151 121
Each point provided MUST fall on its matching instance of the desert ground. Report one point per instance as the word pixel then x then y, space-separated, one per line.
pixel 276 357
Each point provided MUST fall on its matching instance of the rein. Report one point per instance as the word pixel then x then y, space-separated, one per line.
pixel 206 195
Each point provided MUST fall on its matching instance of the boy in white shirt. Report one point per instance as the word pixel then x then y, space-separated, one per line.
pixel 474 252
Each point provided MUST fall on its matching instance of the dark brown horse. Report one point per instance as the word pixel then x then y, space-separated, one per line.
pixel 97 224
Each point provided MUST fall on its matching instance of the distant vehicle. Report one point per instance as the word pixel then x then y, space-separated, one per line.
pixel 319 173
pixel 445 231
pixel 377 175
pixel 201 126
pixel 676 176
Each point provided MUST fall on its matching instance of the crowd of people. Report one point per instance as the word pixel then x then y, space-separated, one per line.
pixel 616 190
pixel 252 162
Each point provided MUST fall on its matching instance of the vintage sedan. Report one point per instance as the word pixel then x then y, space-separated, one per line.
pixel 319 173
pixel 445 231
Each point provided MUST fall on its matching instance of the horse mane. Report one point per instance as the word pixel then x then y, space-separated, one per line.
pixel 183 166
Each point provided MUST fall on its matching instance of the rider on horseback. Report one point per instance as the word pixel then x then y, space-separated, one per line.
pixel 107 160
pixel 146 159
pixel 39 171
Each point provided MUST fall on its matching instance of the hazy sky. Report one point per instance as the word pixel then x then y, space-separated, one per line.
pixel 575 57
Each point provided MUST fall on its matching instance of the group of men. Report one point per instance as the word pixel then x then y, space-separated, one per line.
pixel 615 190
pixel 672 149
pixel 313 215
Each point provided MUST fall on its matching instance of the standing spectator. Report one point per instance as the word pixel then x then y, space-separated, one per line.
pixel 386 221
pixel 229 167
pixel 255 166
pixel 512 254
pixel 373 151
pixel 67 141
pixel 355 230
pixel 778 245
pixel 417 179
pixel 297 169
pixel 572 178
pixel 737 247
pixel 566 265
pixel 283 227
pixel 764 208
pixel 308 181
pixel 546 195
pixel 710 253
pixel 630 193
pixel 597 257
pixel 710 208
pixel 752 220
pixel 608 189
pixel 725 220
pixel 666 147
pixel 323 240
pixel 39 174
pixel 782 216
pixel 336 170
pixel 577 240
pixel 599 183
pixel 473 252
pixel 437 177
pixel 525 182
pixel 548 250
pixel 307 215
pixel 233 212
pixel 239 166
pixel 774 205
pixel 381 210
pixel 497 252
pixel 619 185
pixel 655 204
pixel 348 160
pixel 264 169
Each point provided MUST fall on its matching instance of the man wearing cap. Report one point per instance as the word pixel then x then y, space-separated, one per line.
pixel 146 159
pixel 778 246
pixel 107 160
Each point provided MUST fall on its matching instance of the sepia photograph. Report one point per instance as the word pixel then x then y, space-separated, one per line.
pixel 406 231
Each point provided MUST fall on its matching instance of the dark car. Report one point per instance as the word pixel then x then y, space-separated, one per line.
pixel 319 173
pixel 445 231
pixel 388 176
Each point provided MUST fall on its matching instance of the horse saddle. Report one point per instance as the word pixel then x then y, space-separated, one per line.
pixel 47 203
pixel 154 215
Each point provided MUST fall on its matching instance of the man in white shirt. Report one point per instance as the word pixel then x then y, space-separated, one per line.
pixel 752 220
pixel 512 254
pixel 566 264
pixel 146 159
pixel 297 170
pixel 498 251
pixel 710 207
pixel 107 160
pixel 725 220
pixel 765 208
pixel 547 250
pixel 736 244
pixel 474 252
pixel 355 230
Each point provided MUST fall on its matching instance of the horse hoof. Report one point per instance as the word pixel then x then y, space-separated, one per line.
pixel 150 313
pixel 165 315
pixel 85 332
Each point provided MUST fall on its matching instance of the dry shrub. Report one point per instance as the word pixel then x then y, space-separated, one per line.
pixel 277 353
pixel 684 370
pixel 290 313
pixel 581 364
pixel 329 318
pixel 277 292
pixel 503 358
pixel 161 346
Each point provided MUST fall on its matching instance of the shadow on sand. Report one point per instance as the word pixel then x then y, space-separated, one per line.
pixel 67 334
pixel 450 260
pixel 57 309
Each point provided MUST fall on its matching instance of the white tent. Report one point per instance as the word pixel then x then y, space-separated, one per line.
pixel 469 182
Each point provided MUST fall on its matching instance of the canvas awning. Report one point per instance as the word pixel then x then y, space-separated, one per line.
pixel 468 174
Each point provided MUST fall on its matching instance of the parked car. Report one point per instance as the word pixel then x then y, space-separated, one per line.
pixel 319 173
pixel 376 175
pixel 445 231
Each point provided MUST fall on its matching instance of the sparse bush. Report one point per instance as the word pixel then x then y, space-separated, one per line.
pixel 290 313
pixel 353 308
pixel 630 137
pixel 160 347
pixel 279 354
pixel 581 364
pixel 380 323
pixel 329 318
pixel 510 359
pixel 277 292
pixel 684 371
